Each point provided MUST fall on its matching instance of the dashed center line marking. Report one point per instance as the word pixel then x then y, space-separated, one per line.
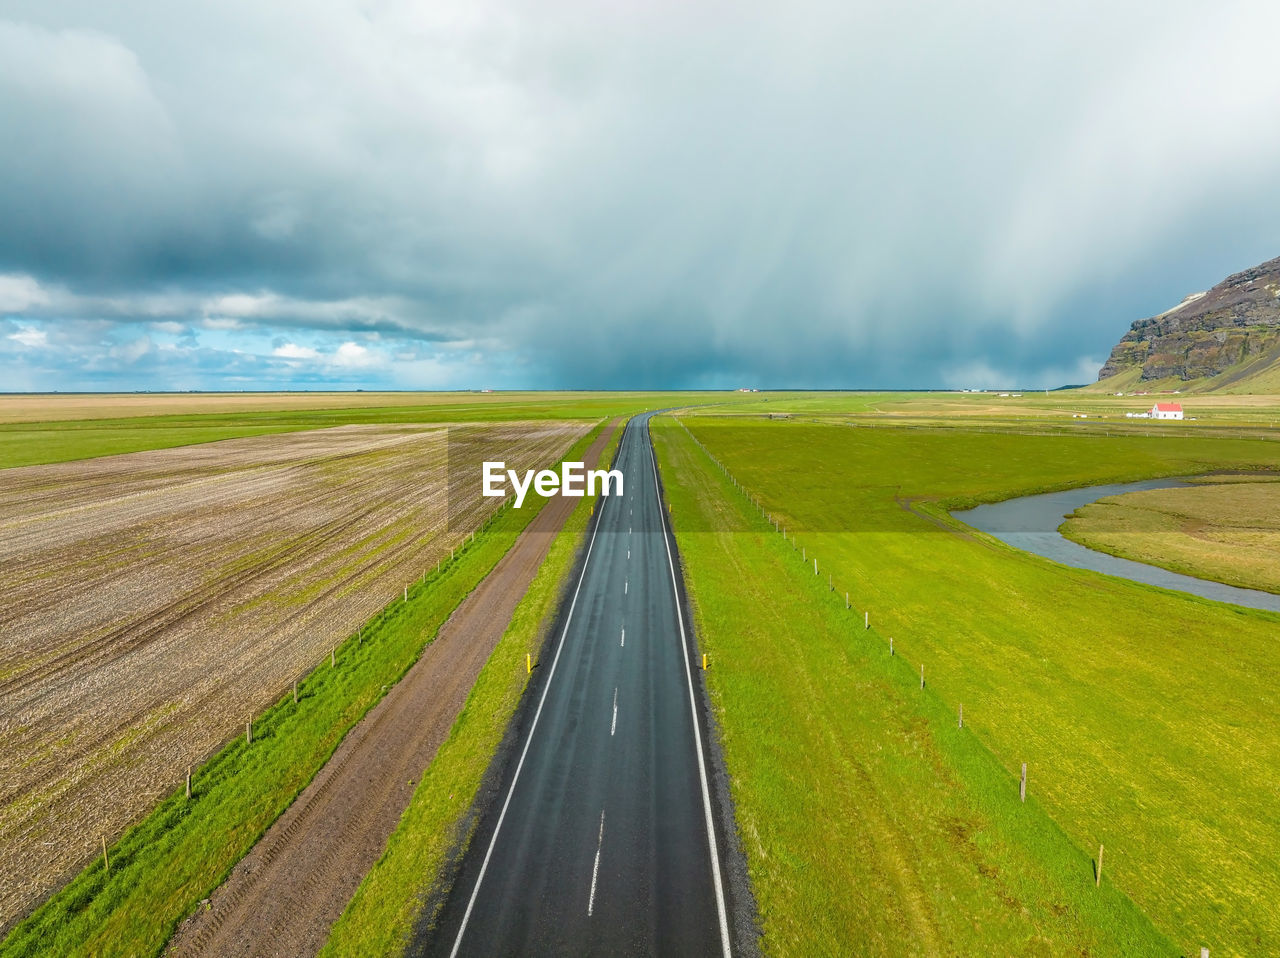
pixel 614 727
pixel 628 553
pixel 625 586
pixel 595 869
pixel 623 643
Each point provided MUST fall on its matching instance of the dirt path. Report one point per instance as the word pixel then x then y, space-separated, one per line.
pixel 285 895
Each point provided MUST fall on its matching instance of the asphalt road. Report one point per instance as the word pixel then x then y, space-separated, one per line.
pixel 601 838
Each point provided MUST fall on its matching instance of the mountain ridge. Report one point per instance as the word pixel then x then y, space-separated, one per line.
pixel 1226 338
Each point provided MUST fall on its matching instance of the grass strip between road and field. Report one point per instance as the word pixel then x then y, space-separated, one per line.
pixel 382 915
pixel 162 867
pixel 872 822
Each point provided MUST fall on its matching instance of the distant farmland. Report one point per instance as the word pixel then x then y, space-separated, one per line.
pixel 155 600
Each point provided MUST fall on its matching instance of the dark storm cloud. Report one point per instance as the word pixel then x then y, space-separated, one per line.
pixel 571 194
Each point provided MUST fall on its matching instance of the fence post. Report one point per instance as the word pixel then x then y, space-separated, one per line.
pixel 106 862
pixel 1097 879
pixel 248 730
pixel 188 781
pixel 961 720
pixel 1022 788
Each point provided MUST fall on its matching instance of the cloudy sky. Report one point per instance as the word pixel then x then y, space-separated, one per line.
pixel 619 193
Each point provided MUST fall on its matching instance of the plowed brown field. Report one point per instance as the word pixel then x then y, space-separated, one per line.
pixel 152 601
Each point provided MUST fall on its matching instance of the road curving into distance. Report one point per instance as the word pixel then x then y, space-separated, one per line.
pixel 603 837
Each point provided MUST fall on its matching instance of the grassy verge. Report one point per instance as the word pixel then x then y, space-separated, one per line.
pixel 163 866
pixel 872 823
pixel 1227 532
pixel 1146 716
pixel 380 918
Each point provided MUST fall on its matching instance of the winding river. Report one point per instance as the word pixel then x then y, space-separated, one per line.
pixel 1031 523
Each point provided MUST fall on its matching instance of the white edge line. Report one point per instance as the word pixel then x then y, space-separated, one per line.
pixel 693 709
pixel 466 917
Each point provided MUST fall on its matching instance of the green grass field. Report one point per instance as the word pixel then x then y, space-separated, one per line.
pixel 379 920
pixel 163 866
pixel 1102 411
pixel 872 823
pixel 1146 717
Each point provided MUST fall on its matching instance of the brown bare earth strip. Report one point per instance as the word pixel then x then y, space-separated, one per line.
pixel 285 895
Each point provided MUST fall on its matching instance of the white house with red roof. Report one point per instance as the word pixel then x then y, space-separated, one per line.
pixel 1166 410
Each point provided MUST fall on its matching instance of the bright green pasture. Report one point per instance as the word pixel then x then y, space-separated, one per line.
pixel 873 824
pixel 1148 718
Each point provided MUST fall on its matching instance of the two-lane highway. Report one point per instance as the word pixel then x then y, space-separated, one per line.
pixel 602 838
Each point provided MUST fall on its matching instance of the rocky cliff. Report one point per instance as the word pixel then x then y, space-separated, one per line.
pixel 1207 334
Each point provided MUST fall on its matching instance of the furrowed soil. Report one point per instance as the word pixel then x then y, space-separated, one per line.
pixel 155 600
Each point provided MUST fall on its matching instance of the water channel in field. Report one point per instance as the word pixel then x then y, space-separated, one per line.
pixel 1031 523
